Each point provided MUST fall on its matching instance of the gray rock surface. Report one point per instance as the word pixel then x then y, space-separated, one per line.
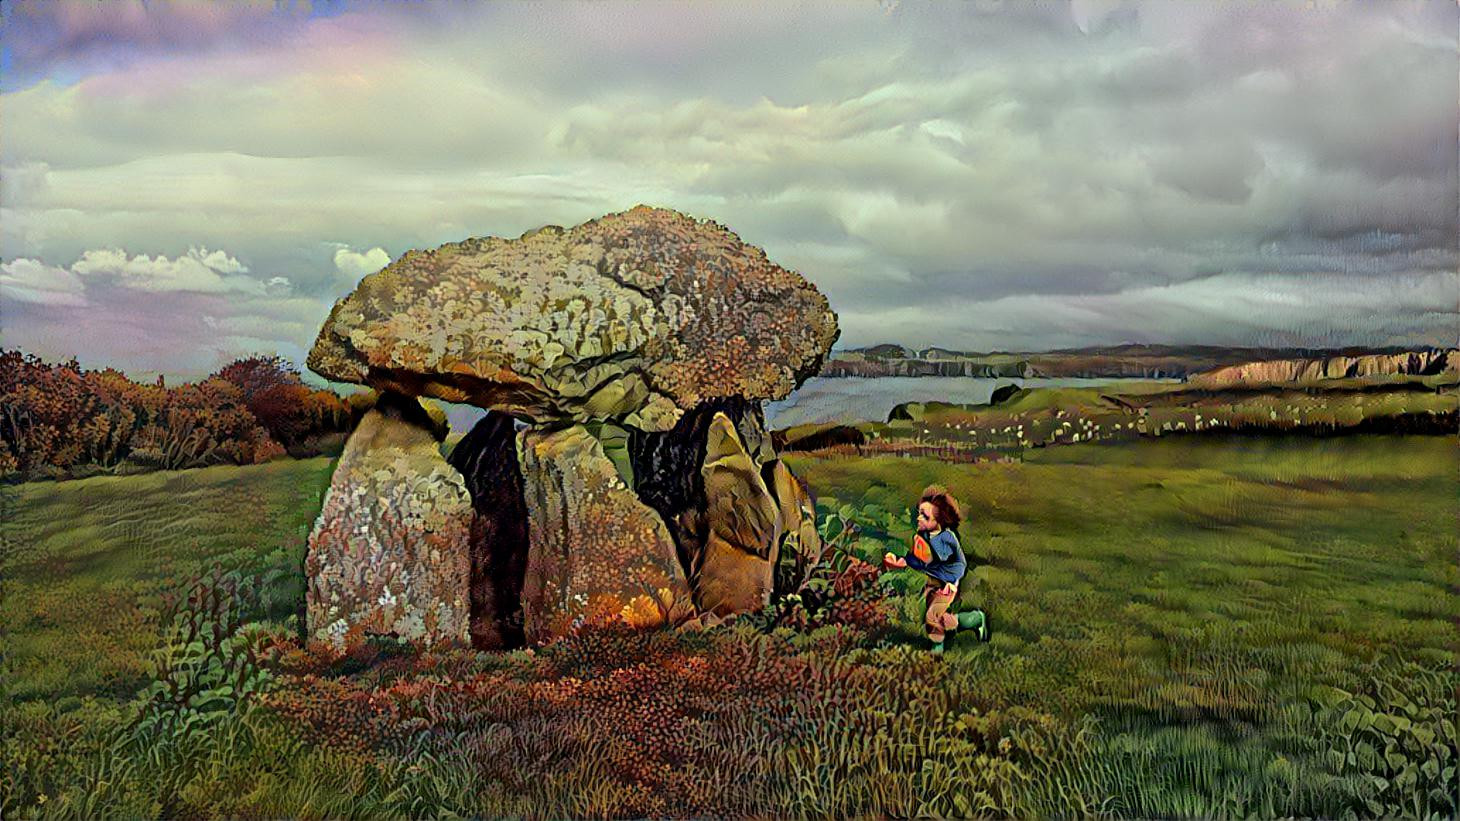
pixel 633 318
pixel 389 552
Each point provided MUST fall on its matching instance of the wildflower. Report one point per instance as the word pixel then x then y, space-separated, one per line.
pixel 1005 745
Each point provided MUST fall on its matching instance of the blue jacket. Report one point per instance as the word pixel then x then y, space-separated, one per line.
pixel 948 563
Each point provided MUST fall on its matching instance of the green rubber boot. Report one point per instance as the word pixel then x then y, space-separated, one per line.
pixel 936 649
pixel 977 621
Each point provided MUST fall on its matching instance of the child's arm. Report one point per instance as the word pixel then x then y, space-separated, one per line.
pixel 914 557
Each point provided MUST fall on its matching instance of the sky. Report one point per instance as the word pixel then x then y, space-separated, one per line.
pixel 183 184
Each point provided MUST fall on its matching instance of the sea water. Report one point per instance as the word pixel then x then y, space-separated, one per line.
pixel 869 399
pixel 859 399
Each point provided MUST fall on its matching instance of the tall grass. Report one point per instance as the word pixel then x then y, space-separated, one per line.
pixel 1181 628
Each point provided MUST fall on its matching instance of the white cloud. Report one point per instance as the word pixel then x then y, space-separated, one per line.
pixel 29 280
pixel 199 270
pixel 353 265
pixel 221 262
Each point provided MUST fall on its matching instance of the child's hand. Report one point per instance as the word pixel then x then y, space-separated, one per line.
pixel 892 561
pixel 949 589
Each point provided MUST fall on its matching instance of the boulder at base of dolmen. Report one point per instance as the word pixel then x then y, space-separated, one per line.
pixel 734 571
pixel 389 553
pixel 595 552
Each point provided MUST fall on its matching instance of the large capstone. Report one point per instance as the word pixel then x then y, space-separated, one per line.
pixel 632 318
pixel 388 555
pixel 596 553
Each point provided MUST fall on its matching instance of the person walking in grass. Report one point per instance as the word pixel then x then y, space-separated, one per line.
pixel 936 552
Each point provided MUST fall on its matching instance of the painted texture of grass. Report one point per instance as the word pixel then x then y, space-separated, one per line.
pixel 1183 627
pixel 1201 588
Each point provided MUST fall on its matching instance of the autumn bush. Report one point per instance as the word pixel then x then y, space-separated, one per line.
pixel 294 414
pixel 61 421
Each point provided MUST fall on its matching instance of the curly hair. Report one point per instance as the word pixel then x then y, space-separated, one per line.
pixel 945 507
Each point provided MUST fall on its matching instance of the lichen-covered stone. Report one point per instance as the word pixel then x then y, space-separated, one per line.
pixel 666 466
pixel 595 552
pixel 487 459
pixel 734 572
pixel 388 554
pixel 800 544
pixel 634 317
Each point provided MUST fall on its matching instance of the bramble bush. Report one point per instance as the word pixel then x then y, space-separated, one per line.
pixel 836 587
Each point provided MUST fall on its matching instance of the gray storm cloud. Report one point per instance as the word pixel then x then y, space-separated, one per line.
pixel 1012 175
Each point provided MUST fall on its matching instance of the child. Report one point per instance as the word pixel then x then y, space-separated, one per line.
pixel 936 552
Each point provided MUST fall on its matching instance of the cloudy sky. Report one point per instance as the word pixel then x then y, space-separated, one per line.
pixel 181 184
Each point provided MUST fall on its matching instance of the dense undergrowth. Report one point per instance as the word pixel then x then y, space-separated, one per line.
pixel 1251 630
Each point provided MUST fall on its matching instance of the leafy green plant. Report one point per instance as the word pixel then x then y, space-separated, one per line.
pixel 210 661
pixel 838 586
pixel 1399 740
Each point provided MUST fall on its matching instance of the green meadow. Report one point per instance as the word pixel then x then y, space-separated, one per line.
pixel 1209 625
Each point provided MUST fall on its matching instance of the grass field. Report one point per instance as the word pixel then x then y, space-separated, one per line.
pixel 1036 418
pixel 1183 626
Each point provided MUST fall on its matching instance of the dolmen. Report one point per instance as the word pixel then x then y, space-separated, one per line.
pixel 623 471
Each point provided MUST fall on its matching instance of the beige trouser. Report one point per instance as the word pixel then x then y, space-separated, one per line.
pixel 938 621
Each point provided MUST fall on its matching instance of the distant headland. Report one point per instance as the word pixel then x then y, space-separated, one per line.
pixel 1142 361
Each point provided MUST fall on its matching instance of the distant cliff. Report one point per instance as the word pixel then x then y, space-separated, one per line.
pixel 840 365
pixel 1120 361
pixel 1411 363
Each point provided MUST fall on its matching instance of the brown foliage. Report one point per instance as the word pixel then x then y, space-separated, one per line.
pixel 57 418
pixel 653 708
pixel 291 411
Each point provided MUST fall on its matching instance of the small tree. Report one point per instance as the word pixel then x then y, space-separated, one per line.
pixel 287 408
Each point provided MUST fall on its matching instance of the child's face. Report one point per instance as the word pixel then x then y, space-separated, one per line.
pixel 926 519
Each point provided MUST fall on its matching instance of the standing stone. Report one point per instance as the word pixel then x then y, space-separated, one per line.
pixel 389 552
pixel 595 552
pixel 800 544
pixel 734 573
pixel 666 467
pixel 487 459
